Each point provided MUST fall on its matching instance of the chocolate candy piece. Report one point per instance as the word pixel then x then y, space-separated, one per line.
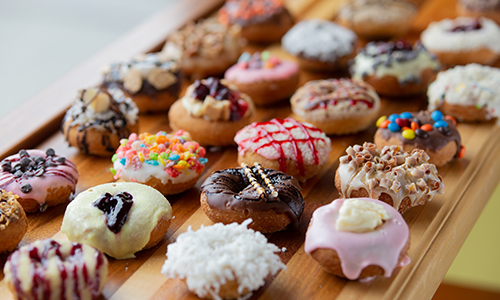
pixel 421 133
pixel 26 188
pixel 444 130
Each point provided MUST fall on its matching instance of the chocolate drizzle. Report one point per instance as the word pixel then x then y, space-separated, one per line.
pixel 116 208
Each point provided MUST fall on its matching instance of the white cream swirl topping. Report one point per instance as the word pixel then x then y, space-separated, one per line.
pixel 361 216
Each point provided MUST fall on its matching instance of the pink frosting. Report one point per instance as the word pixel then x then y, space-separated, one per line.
pixel 284 70
pixel 357 251
pixel 54 177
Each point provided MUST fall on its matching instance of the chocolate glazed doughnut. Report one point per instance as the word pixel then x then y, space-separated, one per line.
pixel 233 195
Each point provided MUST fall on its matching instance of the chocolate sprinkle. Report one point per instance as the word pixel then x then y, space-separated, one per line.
pixel 50 152
pixel 26 188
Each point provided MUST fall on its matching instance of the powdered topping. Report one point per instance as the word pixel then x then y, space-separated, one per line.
pixel 391 171
pixel 116 208
pixel 10 209
pixel 284 140
pixel 376 11
pixel 214 255
pixel 319 40
pixel 356 215
pixel 247 12
pixel 168 157
pixel 380 247
pixel 470 85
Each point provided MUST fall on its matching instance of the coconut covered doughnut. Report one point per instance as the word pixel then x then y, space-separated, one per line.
pixel 98 119
pixel 480 8
pixel 13 221
pixel 336 106
pixel 469 93
pixel 320 45
pixel 50 269
pixel 119 219
pixel 40 179
pixel 358 238
pixel 395 68
pixel 271 198
pixel 170 163
pixel 401 179
pixel 222 261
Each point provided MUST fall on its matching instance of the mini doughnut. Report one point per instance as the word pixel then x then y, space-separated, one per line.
pixel 400 179
pixel 212 111
pixel 234 195
pixel 264 77
pixel 170 163
pixel 320 45
pixel 336 106
pixel 430 131
pixel 358 238
pixel 13 221
pixel 395 68
pixel 469 93
pixel 463 41
pixel 40 179
pixel 295 148
pixel 222 261
pixel 98 119
pixel 119 218
pixel 50 269
pixel 261 21
pixel 480 8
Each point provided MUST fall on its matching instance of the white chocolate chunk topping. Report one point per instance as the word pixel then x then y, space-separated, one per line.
pixel 361 216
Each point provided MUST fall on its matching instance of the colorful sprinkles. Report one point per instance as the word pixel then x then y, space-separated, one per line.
pixel 258 60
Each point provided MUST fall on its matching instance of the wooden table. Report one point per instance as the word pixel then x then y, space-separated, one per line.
pixel 438 229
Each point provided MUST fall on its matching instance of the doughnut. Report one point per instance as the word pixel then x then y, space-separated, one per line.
pixel 480 8
pixel 264 77
pixel 261 21
pixel 40 179
pixel 118 219
pixel 212 111
pixel 295 148
pixel 204 49
pixel 395 68
pixel 469 93
pixel 152 80
pixel 271 198
pixel 320 45
pixel 222 261
pixel 400 179
pixel 13 221
pixel 336 106
pixel 432 132
pixel 358 238
pixel 170 163
pixel 377 19
pixel 98 119
pixel 463 40
pixel 50 269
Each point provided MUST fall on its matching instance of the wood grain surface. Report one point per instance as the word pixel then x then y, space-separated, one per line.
pixel 437 229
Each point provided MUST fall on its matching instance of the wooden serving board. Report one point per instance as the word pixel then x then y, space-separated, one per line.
pixel 437 229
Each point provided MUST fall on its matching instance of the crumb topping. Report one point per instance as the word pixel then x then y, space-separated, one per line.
pixel 10 209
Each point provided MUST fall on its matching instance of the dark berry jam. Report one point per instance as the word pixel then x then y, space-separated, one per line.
pixel 116 208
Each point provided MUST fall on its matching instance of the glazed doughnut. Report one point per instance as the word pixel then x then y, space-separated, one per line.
pixel 170 163
pixel 234 195
pixel 264 77
pixel 295 148
pixel 222 261
pixel 432 132
pixel 212 111
pixel 51 269
pixel 119 219
pixel 261 21
pixel 13 221
pixel 480 8
pixel 400 179
pixel 40 179
pixel 469 93
pixel 463 41
pixel 320 45
pixel 98 119
pixel 358 238
pixel 336 106
pixel 395 68
pixel 152 80
pixel 377 19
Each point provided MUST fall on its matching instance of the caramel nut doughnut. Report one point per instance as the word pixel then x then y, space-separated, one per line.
pixel 13 221
pixel 51 269
pixel 401 179
pixel 336 106
pixel 230 195
pixel 119 219
pixel 473 8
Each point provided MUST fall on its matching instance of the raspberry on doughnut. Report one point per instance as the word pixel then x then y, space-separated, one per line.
pixel 336 106
pixel 13 221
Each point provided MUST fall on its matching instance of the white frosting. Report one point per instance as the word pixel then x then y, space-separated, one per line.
pixel 147 171
pixel 217 254
pixel 438 37
pixel 361 216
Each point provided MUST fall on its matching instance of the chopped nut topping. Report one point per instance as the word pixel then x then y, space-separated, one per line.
pixel 10 209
